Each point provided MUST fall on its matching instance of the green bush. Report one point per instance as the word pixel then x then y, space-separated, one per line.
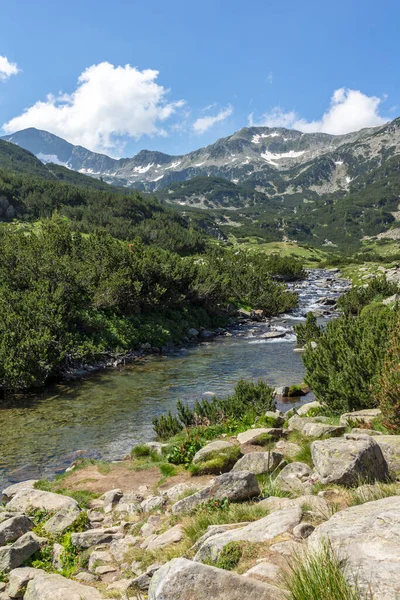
pixel 182 454
pixel 387 388
pixel 309 331
pixel 229 556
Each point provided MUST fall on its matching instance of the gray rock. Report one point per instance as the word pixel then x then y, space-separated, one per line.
pixel 216 529
pixel 236 486
pixel 12 529
pixel 390 446
pixel 13 556
pixel 322 429
pixel 259 462
pixel 282 390
pixel 56 587
pixel 303 530
pixel 10 491
pixel 359 431
pixel 277 416
pixel 187 580
pixel 193 332
pixel 152 503
pixel 295 477
pixel 30 499
pixel 210 450
pixel 171 536
pixel 347 460
pixel 97 558
pixel 86 577
pixel 63 519
pixel 128 505
pixel 179 490
pixel 288 449
pixel 262 530
pixel 256 435
pixel 19 578
pixel 111 499
pixel 298 423
pixel 142 582
pixel 92 537
pixel 367 536
pixel 264 571
pixel 156 447
pixel 119 548
pixel 302 411
pixel 365 416
pixel 58 552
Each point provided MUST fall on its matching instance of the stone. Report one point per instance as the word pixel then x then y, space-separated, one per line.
pixel 367 537
pixel 142 582
pixel 257 435
pixel 390 446
pixel 156 447
pixel 295 477
pixel 37 499
pixel 63 519
pixel 85 577
pixel 188 580
pixel 360 431
pixel 303 530
pixel 18 580
pixel 193 332
pixel 56 587
pixel 129 505
pixel 152 503
pixel 259 462
pixel 347 460
pixel 171 536
pixel 236 486
pixel 105 570
pixel 288 449
pixel 178 491
pixel 210 450
pixel 287 548
pixel 111 499
pixel 12 529
pixel 13 556
pixel 92 537
pixel 119 548
pixel 215 529
pixel 264 571
pixel 10 491
pixel 262 530
pixel 358 417
pixel 322 429
pixel 283 390
pixel 308 503
pixel 303 410
pixel 298 423
pixel 97 558
pixel 58 551
pixel 153 523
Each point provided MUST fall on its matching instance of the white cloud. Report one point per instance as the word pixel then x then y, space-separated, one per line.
pixel 7 68
pixel 349 110
pixel 204 123
pixel 109 103
pixel 270 77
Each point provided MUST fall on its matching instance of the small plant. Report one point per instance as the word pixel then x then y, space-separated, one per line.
pixel 220 461
pixel 182 454
pixel 269 487
pixel 140 451
pixel 212 506
pixel 319 575
pixel 230 556
pixel 167 470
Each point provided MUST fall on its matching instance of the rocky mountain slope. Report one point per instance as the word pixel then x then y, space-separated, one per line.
pixel 273 161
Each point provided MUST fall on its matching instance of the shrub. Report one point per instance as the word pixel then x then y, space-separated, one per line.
pixel 166 426
pixel 220 461
pixel 182 454
pixel 141 451
pixel 230 556
pixel 387 389
pixel 309 331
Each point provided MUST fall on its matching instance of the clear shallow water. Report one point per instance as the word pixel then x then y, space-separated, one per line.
pixel 106 414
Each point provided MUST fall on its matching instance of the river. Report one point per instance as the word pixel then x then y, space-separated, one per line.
pixel 106 414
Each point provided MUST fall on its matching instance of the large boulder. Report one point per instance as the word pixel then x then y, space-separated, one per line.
pixel 390 446
pixel 217 457
pixel 56 587
pixel 93 537
pixel 302 411
pixel 12 529
pixel 10 491
pixel 16 554
pixel 259 531
pixel 360 417
pixel 236 486
pixel 259 436
pixel 317 430
pixel 63 519
pixel 171 536
pixel 27 499
pixel 348 460
pixel 367 537
pixel 295 477
pixel 188 580
pixel 259 462
pixel 18 580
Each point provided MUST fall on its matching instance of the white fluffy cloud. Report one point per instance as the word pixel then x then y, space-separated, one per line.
pixel 109 103
pixel 7 68
pixel 202 124
pixel 349 110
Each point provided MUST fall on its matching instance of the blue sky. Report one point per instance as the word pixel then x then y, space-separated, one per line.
pixel 173 76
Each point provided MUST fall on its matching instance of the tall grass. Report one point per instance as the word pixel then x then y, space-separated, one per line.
pixel 319 576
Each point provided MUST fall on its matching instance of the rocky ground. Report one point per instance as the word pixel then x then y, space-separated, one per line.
pixel 227 536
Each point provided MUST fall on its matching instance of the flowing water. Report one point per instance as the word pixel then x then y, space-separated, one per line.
pixel 106 414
